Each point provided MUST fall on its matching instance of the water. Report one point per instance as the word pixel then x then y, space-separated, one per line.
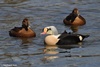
pixel 16 52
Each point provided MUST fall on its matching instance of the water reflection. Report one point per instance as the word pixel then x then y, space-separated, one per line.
pixel 25 40
pixel 79 55
pixel 14 1
pixel 74 28
pixel 69 46
pixel 52 51
pixel 48 59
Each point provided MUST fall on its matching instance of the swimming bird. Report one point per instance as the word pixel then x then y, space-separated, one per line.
pixel 24 31
pixel 61 39
pixel 74 18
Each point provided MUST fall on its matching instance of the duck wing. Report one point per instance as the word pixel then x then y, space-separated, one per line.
pixel 71 38
pixel 16 29
pixel 13 32
pixel 71 17
pixel 68 39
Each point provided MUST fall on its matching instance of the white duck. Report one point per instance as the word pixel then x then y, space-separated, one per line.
pixel 61 39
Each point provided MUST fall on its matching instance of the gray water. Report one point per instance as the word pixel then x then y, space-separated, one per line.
pixel 16 52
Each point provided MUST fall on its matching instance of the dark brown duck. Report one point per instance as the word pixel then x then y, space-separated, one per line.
pixel 74 18
pixel 24 31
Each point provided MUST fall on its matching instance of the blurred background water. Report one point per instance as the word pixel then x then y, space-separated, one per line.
pixel 17 52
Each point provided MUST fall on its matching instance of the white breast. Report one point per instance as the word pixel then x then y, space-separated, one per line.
pixel 51 39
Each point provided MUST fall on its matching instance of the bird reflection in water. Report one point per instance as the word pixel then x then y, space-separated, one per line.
pixel 70 46
pixel 25 40
pixel 74 28
pixel 51 49
pixel 51 53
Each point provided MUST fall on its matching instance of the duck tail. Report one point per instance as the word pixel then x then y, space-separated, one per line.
pixel 85 36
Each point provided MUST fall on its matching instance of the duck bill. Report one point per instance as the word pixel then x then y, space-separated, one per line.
pixel 43 33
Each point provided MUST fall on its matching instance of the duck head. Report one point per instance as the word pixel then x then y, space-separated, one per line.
pixel 25 24
pixel 75 11
pixel 50 30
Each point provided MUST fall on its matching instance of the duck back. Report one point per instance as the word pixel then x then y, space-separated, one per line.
pixel 68 39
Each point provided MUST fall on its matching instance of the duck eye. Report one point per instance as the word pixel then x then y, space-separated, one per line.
pixel 48 29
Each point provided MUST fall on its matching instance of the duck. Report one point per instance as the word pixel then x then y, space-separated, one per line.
pixel 74 18
pixel 53 38
pixel 25 31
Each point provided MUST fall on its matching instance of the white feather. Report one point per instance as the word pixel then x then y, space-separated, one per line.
pixel 81 38
pixel 56 36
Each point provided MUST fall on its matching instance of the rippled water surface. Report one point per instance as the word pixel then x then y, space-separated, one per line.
pixel 16 52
